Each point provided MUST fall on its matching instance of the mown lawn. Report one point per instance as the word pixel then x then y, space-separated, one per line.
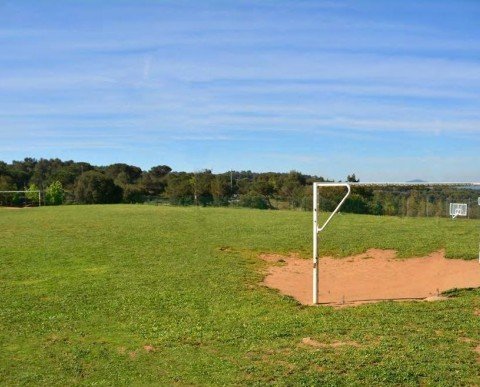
pixel 126 294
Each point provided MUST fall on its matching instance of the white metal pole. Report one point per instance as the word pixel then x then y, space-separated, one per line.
pixel 315 244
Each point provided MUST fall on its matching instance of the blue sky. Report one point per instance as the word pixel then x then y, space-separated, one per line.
pixel 389 90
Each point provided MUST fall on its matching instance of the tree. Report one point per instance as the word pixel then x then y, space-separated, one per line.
pixel 32 193
pixel 221 188
pixel 160 171
pixel 94 187
pixel 54 194
pixel 355 204
pixel 155 180
pixel 179 189
pixel 123 174
pixel 253 200
pixel 133 193
pixel 292 188
pixel 202 187
pixel 6 183
pixel 352 178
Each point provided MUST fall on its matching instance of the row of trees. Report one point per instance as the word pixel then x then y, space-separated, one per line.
pixel 80 182
pixel 83 183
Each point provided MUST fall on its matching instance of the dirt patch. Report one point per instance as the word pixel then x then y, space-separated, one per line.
pixel 476 312
pixel 477 350
pixel 336 344
pixel 148 348
pixel 371 277
pixel 465 340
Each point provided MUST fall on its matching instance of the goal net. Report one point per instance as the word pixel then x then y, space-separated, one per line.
pixel 20 198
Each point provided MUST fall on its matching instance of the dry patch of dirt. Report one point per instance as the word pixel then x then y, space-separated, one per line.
pixel 476 312
pixel 371 277
pixel 466 340
pixel 477 350
pixel 336 344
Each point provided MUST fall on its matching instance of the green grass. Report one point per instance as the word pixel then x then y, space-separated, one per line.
pixel 84 288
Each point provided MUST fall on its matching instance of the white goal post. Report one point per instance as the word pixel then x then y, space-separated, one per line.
pixel 348 186
pixel 458 209
pixel 26 192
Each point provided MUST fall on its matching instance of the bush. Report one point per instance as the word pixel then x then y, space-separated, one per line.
pixel 94 187
pixel 54 194
pixel 31 194
pixel 252 200
pixel 133 194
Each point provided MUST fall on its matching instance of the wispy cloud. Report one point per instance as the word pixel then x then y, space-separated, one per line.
pixel 259 85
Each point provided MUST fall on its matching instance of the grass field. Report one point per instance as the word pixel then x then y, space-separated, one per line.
pixel 125 294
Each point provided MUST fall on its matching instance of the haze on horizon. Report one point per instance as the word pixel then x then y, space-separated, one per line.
pixel 389 91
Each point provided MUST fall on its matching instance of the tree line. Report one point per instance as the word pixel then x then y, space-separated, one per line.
pixel 70 182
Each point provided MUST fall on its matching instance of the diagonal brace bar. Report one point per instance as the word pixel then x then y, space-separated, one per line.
pixel 317 230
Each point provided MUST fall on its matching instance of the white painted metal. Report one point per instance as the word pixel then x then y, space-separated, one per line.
pixel 39 194
pixel 317 230
pixel 458 209
pixel 418 183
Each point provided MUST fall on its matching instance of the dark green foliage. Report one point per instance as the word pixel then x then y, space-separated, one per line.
pixel 133 193
pixel 94 187
pixel 222 189
pixel 253 200
pixel 202 187
pixel 355 204
pixel 352 178
pixel 180 189
pixel 154 181
pixel 240 188
pixel 159 171
pixel 6 183
pixel 123 174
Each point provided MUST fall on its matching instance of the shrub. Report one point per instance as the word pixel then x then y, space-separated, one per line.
pixel 252 200
pixel 54 194
pixel 133 194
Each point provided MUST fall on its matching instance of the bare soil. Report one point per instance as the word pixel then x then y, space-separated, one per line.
pixel 336 344
pixel 371 277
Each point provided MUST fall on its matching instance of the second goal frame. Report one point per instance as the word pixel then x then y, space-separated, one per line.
pixel 317 229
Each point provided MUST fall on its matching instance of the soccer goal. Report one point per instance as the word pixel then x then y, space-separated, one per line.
pixel 20 198
pixel 458 209
pixel 421 203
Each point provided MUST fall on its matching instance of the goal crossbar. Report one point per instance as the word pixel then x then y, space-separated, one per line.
pixel 348 186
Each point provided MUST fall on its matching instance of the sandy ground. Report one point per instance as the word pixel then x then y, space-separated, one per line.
pixel 373 276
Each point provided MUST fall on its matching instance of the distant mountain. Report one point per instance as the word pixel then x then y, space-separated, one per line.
pixel 416 181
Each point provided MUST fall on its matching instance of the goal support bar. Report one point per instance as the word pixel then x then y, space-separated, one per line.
pixel 317 230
